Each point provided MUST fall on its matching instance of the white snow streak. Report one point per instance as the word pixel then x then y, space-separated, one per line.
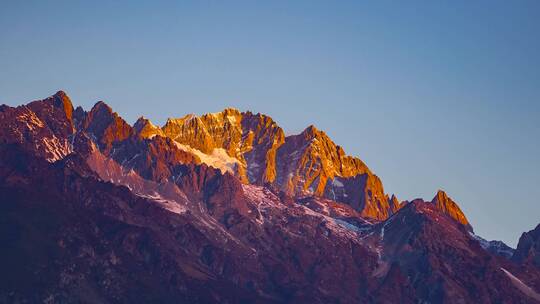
pixel 165 204
pixel 219 158
pixel 522 286
pixel 58 149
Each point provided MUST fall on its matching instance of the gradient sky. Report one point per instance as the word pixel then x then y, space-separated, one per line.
pixel 430 95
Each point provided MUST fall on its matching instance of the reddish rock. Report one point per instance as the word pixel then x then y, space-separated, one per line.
pixel 144 128
pixel 528 248
pixel 125 215
pixel 106 126
pixel 300 164
pixel 450 208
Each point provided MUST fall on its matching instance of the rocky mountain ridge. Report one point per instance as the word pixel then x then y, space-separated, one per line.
pixel 255 149
pixel 143 213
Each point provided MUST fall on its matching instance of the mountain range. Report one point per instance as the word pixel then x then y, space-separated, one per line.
pixel 225 208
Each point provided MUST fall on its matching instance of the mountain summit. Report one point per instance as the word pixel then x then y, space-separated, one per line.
pixel 254 148
pixel 224 208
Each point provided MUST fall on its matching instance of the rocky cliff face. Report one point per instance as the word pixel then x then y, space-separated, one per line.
pixel 254 148
pixel 136 214
pixel 144 128
pixel 448 266
pixel 446 205
pixel 242 142
pixel 43 126
pixel 528 249
pixel 106 126
pixel 311 163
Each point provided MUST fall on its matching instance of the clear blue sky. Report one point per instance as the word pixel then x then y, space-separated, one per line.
pixel 430 95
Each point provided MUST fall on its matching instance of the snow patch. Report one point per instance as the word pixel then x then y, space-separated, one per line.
pixel 522 286
pixel 31 120
pixel 337 183
pixel 263 199
pixel 493 246
pixel 253 165
pixel 218 159
pixel 483 243
pixel 349 225
pixel 337 226
pixel 165 204
pixel 58 149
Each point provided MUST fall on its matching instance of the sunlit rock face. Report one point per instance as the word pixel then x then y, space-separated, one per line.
pixel 250 146
pixel 242 143
pixel 144 128
pixel 255 149
pixel 451 208
pixel 311 163
pixel 106 126
pixel 44 127
pixel 224 208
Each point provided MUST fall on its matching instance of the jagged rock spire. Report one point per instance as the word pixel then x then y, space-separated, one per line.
pixel 446 205
pixel 144 128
